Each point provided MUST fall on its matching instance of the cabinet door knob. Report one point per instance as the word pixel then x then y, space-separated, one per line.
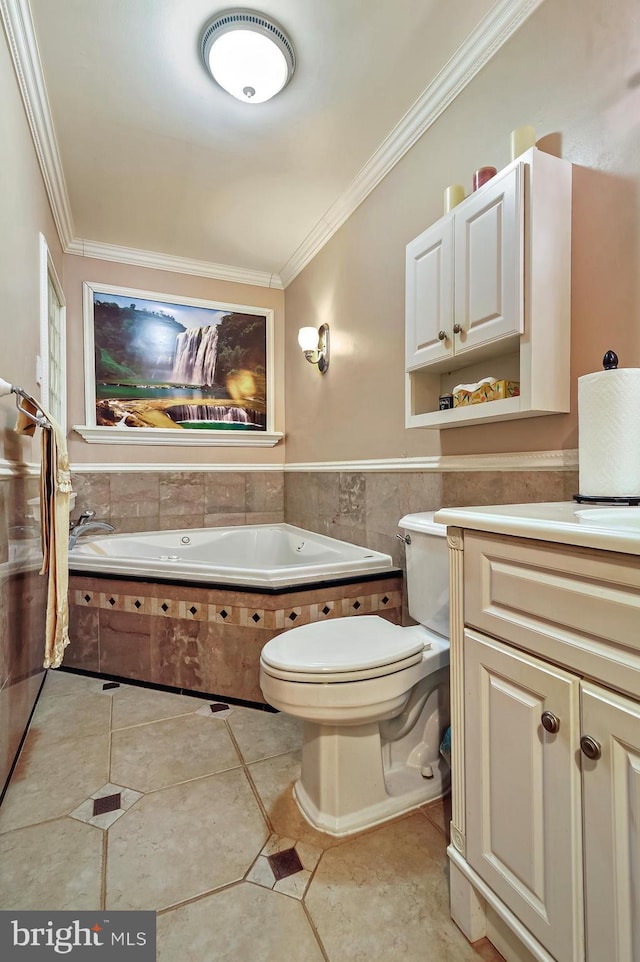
pixel 550 722
pixel 590 747
pixel 457 329
pixel 442 335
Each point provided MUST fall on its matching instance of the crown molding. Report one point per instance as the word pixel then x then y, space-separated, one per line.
pixel 21 38
pixel 496 28
pixel 492 32
pixel 171 262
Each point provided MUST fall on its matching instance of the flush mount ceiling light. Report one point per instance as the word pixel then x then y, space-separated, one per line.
pixel 248 54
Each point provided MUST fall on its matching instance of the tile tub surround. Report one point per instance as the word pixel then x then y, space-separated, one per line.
pixel 219 849
pixel 162 500
pixel 365 507
pixel 361 507
pixel 22 619
pixel 201 639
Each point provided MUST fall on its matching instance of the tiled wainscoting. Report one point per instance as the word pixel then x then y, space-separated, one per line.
pixel 163 500
pixel 22 615
pixel 202 639
pixel 362 507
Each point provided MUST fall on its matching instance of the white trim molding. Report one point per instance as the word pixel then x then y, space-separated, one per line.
pixel 170 262
pixel 21 38
pixel 133 468
pixel 502 21
pixel 523 461
pixel 505 17
pixel 511 461
pixel 18 469
pixel 18 25
pixel 212 439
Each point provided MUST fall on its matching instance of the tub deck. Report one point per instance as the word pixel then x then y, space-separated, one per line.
pixel 274 556
pixel 204 639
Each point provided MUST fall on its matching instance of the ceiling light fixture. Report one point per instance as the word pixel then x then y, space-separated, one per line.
pixel 248 55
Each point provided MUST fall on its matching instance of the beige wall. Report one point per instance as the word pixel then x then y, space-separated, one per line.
pixel 77 269
pixel 572 71
pixel 24 213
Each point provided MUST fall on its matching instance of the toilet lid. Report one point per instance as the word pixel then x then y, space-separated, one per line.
pixel 342 644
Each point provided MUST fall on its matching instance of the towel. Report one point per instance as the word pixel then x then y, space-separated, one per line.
pixel 55 489
pixel 445 746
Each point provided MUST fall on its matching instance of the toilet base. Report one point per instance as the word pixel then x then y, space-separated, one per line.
pixel 360 793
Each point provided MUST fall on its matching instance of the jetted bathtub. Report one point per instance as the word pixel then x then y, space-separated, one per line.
pixel 268 556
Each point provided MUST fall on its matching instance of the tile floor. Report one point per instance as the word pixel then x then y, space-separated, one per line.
pixel 129 798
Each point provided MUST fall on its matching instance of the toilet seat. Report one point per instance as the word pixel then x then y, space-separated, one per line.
pixel 342 649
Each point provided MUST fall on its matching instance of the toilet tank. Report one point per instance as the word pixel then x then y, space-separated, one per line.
pixel 427 571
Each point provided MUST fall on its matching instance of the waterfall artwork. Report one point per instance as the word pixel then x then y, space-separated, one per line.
pixel 184 364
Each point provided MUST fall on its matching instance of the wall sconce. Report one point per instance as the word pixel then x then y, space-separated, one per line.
pixel 315 345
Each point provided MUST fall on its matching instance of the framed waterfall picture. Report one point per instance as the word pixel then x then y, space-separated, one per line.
pixel 175 370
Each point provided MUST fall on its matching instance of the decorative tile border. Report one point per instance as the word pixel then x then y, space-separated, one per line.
pixel 247 617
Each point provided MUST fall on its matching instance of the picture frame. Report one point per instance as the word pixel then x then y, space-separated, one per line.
pixel 171 369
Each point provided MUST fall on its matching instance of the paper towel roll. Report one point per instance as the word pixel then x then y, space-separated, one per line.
pixel 609 433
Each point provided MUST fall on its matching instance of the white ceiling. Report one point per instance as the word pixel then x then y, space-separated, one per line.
pixel 156 157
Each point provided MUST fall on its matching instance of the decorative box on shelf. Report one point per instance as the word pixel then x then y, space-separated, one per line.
pixel 488 389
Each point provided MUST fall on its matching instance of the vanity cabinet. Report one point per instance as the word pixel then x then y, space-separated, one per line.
pixel 522 788
pixel 487 293
pixel 545 666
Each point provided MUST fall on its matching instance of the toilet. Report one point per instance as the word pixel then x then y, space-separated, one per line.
pixel 374 698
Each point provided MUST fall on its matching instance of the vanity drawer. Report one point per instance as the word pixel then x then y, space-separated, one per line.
pixel 576 607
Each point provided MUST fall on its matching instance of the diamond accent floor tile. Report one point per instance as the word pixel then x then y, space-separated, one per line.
pixel 109 803
pixel 216 709
pixel 106 805
pixel 285 865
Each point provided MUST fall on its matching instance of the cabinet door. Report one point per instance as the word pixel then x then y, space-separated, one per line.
pixel 489 244
pixel 611 790
pixel 429 295
pixel 523 789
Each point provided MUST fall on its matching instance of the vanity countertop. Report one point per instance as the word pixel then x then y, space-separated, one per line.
pixel 566 522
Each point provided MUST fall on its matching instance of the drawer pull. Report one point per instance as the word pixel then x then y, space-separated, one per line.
pixel 550 722
pixel 590 747
pixel 442 335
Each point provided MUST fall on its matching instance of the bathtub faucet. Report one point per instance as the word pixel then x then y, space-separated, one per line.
pixel 86 523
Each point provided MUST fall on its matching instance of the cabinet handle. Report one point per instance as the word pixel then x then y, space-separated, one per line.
pixel 457 329
pixel 442 335
pixel 550 722
pixel 590 747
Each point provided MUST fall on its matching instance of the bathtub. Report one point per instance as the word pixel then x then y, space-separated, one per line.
pixel 262 556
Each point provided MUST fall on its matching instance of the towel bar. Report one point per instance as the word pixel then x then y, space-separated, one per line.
pixel 40 419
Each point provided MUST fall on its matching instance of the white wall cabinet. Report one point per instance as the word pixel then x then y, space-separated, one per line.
pixel 546 807
pixel 429 297
pixel 488 294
